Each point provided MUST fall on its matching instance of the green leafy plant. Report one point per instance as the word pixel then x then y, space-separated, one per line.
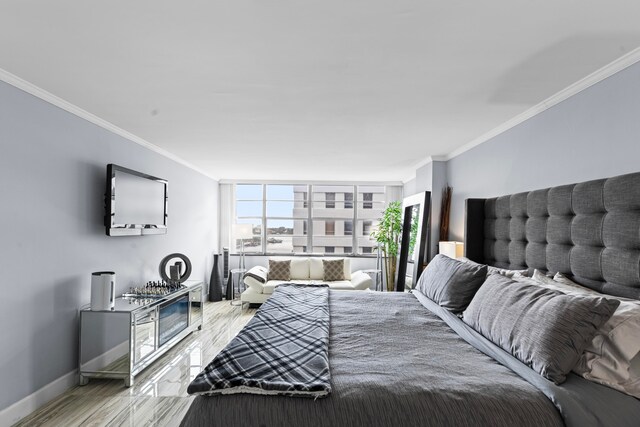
pixel 387 235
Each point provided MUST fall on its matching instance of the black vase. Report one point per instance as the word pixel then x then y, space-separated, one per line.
pixel 215 282
pixel 229 294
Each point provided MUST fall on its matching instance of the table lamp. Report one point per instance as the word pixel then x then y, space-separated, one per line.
pixel 452 249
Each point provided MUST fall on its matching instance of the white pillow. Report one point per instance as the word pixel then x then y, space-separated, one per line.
pixel 608 358
pixel 316 268
pixel 300 268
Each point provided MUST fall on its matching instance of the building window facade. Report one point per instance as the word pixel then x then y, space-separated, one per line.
pixel 330 228
pixel 330 200
pixel 348 200
pixel 348 228
pixel 303 218
pixel 367 201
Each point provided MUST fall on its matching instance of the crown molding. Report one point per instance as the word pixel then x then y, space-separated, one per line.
pixel 52 99
pixel 430 159
pixel 590 80
pixel 597 76
pixel 422 163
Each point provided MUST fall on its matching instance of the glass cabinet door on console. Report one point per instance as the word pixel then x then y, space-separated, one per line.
pixel 144 332
pixel 195 307
pixel 173 318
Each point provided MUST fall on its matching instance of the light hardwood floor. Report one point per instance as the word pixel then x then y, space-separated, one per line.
pixel 158 396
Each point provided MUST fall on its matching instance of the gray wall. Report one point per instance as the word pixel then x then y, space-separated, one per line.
pixel 52 178
pixel 594 134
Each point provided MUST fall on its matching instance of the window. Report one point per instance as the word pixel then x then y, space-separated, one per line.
pixel 348 200
pixel 300 218
pixel 366 228
pixel 367 201
pixel 330 200
pixel 348 228
pixel 329 228
pixel 249 211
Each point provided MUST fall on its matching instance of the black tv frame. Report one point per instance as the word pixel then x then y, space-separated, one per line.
pixel 113 229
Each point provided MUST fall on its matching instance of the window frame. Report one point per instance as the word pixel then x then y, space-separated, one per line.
pixel 353 205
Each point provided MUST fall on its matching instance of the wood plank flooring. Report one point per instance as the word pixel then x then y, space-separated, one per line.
pixel 158 396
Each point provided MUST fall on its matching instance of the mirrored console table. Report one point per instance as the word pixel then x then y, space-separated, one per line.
pixel 122 342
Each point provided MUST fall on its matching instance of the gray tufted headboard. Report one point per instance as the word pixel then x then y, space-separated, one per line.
pixel 588 231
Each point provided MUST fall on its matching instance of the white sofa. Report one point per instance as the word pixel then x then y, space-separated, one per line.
pixel 303 271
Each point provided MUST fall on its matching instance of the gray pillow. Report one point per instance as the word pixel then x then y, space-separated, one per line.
pixel 333 269
pixel 496 270
pixel 451 283
pixel 279 270
pixel 545 329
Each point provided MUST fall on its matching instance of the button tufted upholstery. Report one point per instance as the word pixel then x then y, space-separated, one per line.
pixel 588 231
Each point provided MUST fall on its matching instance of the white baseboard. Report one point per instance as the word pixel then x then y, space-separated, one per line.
pixel 35 400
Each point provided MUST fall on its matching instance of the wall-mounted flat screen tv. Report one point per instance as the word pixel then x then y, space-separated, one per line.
pixel 136 203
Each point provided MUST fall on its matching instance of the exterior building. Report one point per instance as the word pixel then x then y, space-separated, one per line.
pixel 340 223
pixel 310 218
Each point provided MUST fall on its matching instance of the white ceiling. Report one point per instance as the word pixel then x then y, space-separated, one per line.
pixel 327 89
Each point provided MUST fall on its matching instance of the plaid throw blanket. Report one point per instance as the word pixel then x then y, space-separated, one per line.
pixel 283 350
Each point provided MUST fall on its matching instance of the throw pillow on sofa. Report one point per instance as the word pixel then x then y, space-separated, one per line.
pixel 316 268
pixel 279 270
pixel 333 270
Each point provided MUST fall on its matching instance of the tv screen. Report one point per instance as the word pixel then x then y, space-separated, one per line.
pixel 136 203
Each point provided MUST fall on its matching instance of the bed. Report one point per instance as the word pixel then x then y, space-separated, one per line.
pixel 401 359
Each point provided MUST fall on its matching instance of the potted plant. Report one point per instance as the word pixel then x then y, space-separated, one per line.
pixel 387 235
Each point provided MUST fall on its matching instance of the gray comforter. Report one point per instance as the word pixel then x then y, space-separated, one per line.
pixel 393 363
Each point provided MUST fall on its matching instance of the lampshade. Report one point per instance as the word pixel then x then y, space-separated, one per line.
pixel 242 231
pixel 452 249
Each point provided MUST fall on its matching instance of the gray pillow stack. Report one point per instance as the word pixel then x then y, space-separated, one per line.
pixel 545 329
pixel 451 283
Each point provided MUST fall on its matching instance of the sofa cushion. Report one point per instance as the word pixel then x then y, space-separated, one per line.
pixel 299 266
pixel 333 269
pixel 279 270
pixel 317 270
pixel 271 285
pixel 342 285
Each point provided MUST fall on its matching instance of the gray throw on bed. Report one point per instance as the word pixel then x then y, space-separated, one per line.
pixel 393 363
pixel 283 350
